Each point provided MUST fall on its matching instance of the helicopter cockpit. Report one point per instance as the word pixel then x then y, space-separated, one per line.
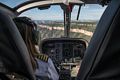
pixel 65 52
pixel 62 40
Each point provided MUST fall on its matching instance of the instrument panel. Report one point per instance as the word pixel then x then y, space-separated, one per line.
pixel 64 49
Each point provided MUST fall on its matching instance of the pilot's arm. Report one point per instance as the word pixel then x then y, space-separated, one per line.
pixel 52 70
pixel 46 69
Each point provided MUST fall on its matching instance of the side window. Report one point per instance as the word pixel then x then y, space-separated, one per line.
pixel 89 16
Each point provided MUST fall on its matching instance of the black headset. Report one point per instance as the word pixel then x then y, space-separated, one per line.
pixel 29 22
pixel 35 34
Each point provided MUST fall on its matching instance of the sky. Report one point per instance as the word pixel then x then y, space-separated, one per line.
pixel 88 12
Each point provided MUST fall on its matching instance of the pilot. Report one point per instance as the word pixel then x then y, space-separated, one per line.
pixel 42 64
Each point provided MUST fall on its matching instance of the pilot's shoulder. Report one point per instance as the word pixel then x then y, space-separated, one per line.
pixel 43 57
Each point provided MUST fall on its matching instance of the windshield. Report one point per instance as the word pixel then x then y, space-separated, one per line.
pixel 51 21
pixel 12 3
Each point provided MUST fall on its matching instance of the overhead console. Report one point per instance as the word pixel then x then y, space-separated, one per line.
pixel 64 49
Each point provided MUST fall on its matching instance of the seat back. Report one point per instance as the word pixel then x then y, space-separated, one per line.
pixel 101 60
pixel 13 52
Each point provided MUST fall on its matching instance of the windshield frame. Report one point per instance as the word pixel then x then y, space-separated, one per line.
pixel 33 4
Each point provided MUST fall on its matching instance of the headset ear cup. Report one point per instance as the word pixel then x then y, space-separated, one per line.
pixel 35 36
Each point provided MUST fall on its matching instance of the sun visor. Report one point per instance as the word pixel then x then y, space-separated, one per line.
pixel 102 2
pixel 90 1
